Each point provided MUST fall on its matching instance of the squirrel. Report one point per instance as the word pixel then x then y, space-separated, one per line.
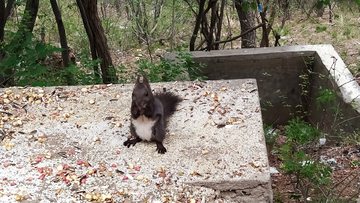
pixel 149 114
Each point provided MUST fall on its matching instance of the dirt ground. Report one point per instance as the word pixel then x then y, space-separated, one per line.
pixel 345 179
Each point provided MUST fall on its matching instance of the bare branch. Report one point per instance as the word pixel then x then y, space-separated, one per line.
pixel 242 34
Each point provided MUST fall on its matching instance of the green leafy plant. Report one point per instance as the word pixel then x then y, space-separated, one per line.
pixel 182 67
pixel 23 61
pixel 84 70
pixel 270 136
pixel 353 138
pixel 27 64
pixel 185 60
pixel 322 3
pixel 354 164
pixel 334 35
pixel 307 172
pixel 321 28
pixel 325 96
pixel 247 5
pixel 347 32
pixel 301 132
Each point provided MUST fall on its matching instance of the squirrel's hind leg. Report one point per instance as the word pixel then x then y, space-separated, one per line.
pixel 159 132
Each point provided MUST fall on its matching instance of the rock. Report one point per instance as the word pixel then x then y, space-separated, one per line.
pixel 331 161
pixel 341 167
pixel 353 65
pixel 273 170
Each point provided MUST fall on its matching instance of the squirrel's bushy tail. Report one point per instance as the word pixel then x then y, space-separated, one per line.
pixel 169 102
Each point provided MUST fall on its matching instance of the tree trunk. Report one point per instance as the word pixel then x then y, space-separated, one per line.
pixel 285 5
pixel 117 7
pixel 32 7
pixel 2 26
pixel 197 25
pixel 172 40
pixel 62 33
pixel 90 36
pixel 219 25
pixel 2 20
pixel 102 49
pixel 320 12
pixel 265 36
pixel 28 22
pixel 63 41
pixel 4 14
pixel 330 13
pixel 212 5
pixel 157 10
pixel 246 23
pixel 138 18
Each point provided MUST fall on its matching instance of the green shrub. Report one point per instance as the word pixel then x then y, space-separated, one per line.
pixel 183 67
pixel 321 28
pixel 308 173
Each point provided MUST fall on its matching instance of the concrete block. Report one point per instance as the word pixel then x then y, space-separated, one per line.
pixel 215 145
pixel 278 73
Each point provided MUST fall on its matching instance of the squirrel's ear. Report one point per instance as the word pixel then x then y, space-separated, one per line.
pixel 140 79
pixel 143 80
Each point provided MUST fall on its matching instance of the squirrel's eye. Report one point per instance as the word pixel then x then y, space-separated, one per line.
pixel 146 94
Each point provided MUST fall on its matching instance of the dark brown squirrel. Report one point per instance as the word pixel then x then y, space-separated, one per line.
pixel 149 114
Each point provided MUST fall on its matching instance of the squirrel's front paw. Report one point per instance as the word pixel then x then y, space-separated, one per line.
pixel 128 143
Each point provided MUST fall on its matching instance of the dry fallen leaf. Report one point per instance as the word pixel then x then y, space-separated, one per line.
pixel 88 196
pixel 130 166
pixel 48 155
pixel 18 197
pixel 204 151
pixel 9 146
pixel 121 191
pixel 95 197
pixel 139 177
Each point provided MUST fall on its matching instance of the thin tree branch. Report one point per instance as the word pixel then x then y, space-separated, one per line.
pixel 190 6
pixel 242 34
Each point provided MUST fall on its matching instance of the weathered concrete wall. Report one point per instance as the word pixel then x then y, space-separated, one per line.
pixel 273 71
pixel 277 71
pixel 341 115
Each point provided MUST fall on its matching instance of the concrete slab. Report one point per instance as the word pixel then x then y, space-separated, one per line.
pixel 56 136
